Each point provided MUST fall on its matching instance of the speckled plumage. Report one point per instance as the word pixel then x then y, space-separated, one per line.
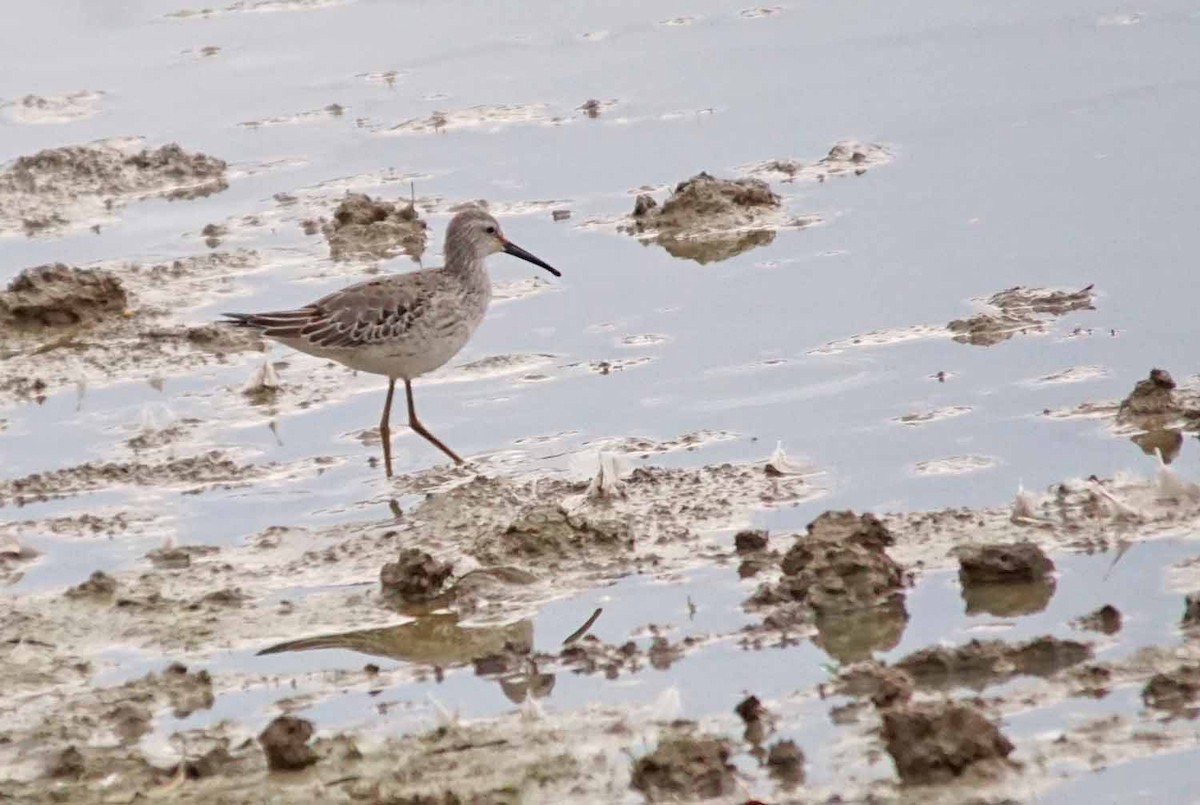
pixel 405 325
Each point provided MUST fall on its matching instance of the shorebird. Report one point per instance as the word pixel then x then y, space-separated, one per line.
pixel 404 325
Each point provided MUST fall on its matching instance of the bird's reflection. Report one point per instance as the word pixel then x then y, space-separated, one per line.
pixel 434 639
pixel 438 639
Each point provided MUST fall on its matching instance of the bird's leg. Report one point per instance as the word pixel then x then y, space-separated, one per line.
pixel 385 432
pixel 416 425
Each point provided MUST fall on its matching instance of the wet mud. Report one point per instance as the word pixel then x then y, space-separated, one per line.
pixel 201 607
pixel 85 184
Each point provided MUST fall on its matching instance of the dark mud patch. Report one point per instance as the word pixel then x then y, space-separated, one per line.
pixel 414 577
pixel 882 684
pixel 1006 580
pixel 61 296
pixel 846 157
pixel 1019 310
pixel 196 472
pixel 58 187
pixel 685 767
pixel 1105 620
pixel 839 578
pixel 373 229
pixel 285 743
pixel 981 663
pixel 77 327
pixel 941 741
pixel 707 219
pixel 1174 691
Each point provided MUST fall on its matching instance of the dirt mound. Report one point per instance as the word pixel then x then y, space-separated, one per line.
pixel 981 663
pixel 839 577
pixel 374 229
pixel 685 767
pixel 937 742
pixel 549 532
pixel 1173 691
pixel 415 576
pixel 56 186
pixel 1106 620
pixel 1018 310
pixel 707 219
pixel 1153 405
pixel 882 684
pixel 58 296
pixel 285 743
pixel 1006 579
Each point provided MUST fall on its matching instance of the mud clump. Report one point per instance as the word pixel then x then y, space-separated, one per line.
pixel 414 577
pixel 1006 579
pixel 841 574
pixel 53 187
pixel 980 663
pixel 1151 406
pixel 707 219
pixel 186 691
pixel 285 743
pixel 756 719
pixel 684 767
pixel 785 762
pixel 99 585
pixel 885 686
pixel 1173 691
pixel 59 296
pixel 549 532
pixel 938 742
pixel 68 764
pixel 1019 309
pixel 363 227
pixel 1106 620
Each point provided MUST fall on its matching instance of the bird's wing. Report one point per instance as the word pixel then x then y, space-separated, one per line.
pixel 365 313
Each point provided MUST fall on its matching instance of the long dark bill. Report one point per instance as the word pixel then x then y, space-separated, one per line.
pixel 517 251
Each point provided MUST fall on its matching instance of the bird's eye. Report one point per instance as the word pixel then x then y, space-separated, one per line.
pixel 491 230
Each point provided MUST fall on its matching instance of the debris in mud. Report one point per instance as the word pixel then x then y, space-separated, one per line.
pixel 684 767
pixel 1019 309
pixel 1105 620
pixel 884 685
pixel 363 227
pixel 285 743
pixel 707 219
pixel 99 585
pixel 981 663
pixel 414 577
pixel 939 741
pixel 58 295
pixel 1005 580
pixel 848 156
pixel 59 185
pixel 263 384
pixel 785 762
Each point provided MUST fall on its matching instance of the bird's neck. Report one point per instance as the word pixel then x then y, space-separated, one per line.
pixel 465 262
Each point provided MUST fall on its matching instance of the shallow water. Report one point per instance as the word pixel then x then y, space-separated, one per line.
pixel 1035 145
